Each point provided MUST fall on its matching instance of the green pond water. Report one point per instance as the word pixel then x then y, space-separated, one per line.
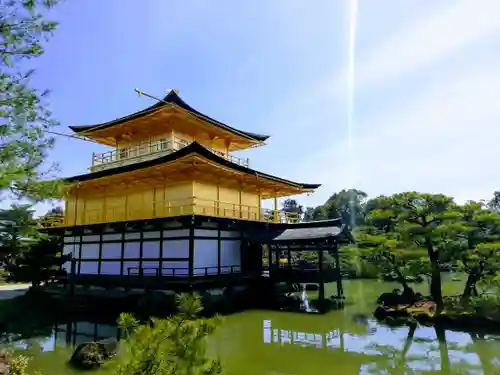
pixel 269 342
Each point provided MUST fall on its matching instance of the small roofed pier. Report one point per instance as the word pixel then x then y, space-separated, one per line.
pixel 305 254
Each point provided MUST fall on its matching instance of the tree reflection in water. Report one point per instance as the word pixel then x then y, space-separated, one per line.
pixel 418 353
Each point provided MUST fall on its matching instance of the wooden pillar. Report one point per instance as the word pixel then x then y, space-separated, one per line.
pixel 321 278
pixel 340 288
pixel 68 333
pixel 72 273
pixel 217 204
pixel 240 185
pixel 275 212
pixel 218 248
pixel 191 248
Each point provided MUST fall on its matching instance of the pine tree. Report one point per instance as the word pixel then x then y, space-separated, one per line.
pixel 176 345
pixel 39 263
pixel 24 113
pixel 18 229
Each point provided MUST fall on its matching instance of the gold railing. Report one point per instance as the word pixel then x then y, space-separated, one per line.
pixel 149 150
pixel 188 206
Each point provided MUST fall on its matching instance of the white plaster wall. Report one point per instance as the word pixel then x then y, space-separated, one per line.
pixel 112 237
pixel 205 255
pixel 172 224
pixel 150 267
pixel 205 233
pixel 69 249
pixel 130 264
pixel 230 255
pixel 151 249
pixel 155 234
pixel 91 238
pixel 111 250
pixel 90 251
pixel 176 233
pixel 132 236
pixel 176 249
pixel 181 268
pixel 229 234
pixel 110 268
pixel 132 250
pixel 89 268
pixel 209 224
pixel 66 266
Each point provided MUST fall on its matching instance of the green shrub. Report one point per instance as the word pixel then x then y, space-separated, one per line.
pixel 176 345
pixel 14 365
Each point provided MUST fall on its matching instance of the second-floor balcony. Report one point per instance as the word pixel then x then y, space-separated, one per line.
pixel 147 151
pixel 188 206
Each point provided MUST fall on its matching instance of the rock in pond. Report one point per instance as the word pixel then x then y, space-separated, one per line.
pixel 396 298
pixel 91 355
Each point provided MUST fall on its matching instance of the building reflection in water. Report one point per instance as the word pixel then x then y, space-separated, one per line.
pixel 76 333
pixel 332 339
pixel 424 352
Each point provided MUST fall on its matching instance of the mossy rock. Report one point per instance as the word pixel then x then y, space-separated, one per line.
pixel 91 355
pixel 396 298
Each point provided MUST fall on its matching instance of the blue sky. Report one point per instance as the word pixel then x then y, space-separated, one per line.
pixel 427 78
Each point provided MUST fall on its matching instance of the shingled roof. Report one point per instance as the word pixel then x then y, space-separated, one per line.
pixel 172 99
pixel 284 233
pixel 192 148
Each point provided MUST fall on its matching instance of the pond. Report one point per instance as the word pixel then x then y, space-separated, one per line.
pixel 342 342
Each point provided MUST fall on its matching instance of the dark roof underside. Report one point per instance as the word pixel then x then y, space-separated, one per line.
pixel 294 234
pixel 302 232
pixel 171 98
pixel 192 148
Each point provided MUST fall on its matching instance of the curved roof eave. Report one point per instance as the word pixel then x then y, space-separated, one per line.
pixel 171 98
pixel 192 148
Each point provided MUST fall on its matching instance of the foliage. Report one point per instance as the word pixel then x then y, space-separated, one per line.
pixel 17 231
pixel 478 246
pixel 24 114
pixel 291 206
pixel 412 233
pixel 41 262
pixel 176 345
pixel 13 365
pixel 411 221
pixel 29 255
pixel 346 204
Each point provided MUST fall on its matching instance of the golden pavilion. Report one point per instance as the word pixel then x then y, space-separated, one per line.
pixel 170 201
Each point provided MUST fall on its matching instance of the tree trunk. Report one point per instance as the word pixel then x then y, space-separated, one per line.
pixel 484 353
pixel 443 349
pixel 401 361
pixel 470 286
pixel 435 287
pixel 407 290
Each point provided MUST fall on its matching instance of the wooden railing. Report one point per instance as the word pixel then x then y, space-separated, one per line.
pixel 191 206
pixel 147 151
pixel 182 271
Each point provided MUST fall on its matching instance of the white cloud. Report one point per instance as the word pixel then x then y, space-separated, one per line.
pixel 444 141
pixel 427 40
pixel 435 135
